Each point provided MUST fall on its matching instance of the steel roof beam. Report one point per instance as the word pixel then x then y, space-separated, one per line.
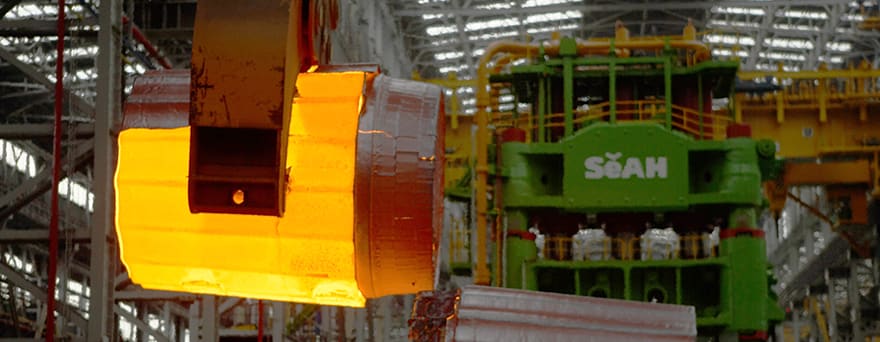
pixel 766 26
pixel 17 279
pixel 32 188
pixel 8 6
pixel 611 7
pixel 43 131
pixel 41 235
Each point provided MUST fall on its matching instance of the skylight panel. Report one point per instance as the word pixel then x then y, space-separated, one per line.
pixel 493 35
pixel 440 30
pixel 448 55
pixel 734 23
pixel 853 17
pixel 839 46
pixel 729 53
pixel 555 16
pixel 783 56
pixel 497 5
pixel 25 11
pixel 86 75
pixel 773 67
pixel 729 40
pixel 539 3
pixel 809 28
pixel 31 10
pixel 568 27
pixel 802 14
pixel 444 41
pixel 494 23
pixel 737 10
pixel 786 43
pixel 453 68
pixel 833 59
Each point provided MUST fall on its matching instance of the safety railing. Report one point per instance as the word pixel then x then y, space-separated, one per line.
pixel 699 125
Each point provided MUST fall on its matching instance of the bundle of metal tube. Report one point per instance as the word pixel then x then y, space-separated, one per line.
pixel 479 313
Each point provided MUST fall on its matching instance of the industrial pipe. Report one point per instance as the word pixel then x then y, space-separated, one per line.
pixel 56 179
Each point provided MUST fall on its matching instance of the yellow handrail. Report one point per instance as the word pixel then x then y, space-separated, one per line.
pixel 684 119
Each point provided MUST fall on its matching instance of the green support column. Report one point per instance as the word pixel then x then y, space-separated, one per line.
pixel 678 286
pixel 612 91
pixel 568 50
pixel 744 287
pixel 700 102
pixel 542 106
pixel 667 81
pixel 518 250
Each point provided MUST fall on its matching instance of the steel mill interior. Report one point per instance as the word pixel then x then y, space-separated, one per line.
pixel 439 170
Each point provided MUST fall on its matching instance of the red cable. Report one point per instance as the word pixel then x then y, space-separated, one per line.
pixel 56 178
pixel 260 321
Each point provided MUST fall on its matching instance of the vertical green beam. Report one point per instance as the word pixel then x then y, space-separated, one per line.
pixel 700 101
pixel 542 106
pixel 518 251
pixel 548 97
pixel 568 94
pixel 667 81
pixel 678 285
pixel 612 91
pixel 744 284
pixel 627 283
pixel 733 109
pixel 577 282
pixel 568 51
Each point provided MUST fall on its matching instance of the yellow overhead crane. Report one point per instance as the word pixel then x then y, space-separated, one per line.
pixel 827 129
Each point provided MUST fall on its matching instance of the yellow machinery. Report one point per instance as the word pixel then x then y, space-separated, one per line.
pixel 231 181
pixel 826 129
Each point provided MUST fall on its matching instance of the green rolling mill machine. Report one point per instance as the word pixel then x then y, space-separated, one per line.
pixel 610 176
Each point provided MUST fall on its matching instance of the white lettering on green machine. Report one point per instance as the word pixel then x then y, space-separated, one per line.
pixel 613 166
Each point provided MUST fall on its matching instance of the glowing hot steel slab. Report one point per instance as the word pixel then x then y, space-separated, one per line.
pixel 362 208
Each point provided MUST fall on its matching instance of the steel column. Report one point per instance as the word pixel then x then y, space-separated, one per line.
pixel 854 296
pixel 279 317
pixel 108 110
pixel 830 307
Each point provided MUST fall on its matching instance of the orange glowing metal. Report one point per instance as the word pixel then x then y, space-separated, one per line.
pixel 308 255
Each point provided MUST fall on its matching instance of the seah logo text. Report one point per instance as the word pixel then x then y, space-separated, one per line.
pixel 614 166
